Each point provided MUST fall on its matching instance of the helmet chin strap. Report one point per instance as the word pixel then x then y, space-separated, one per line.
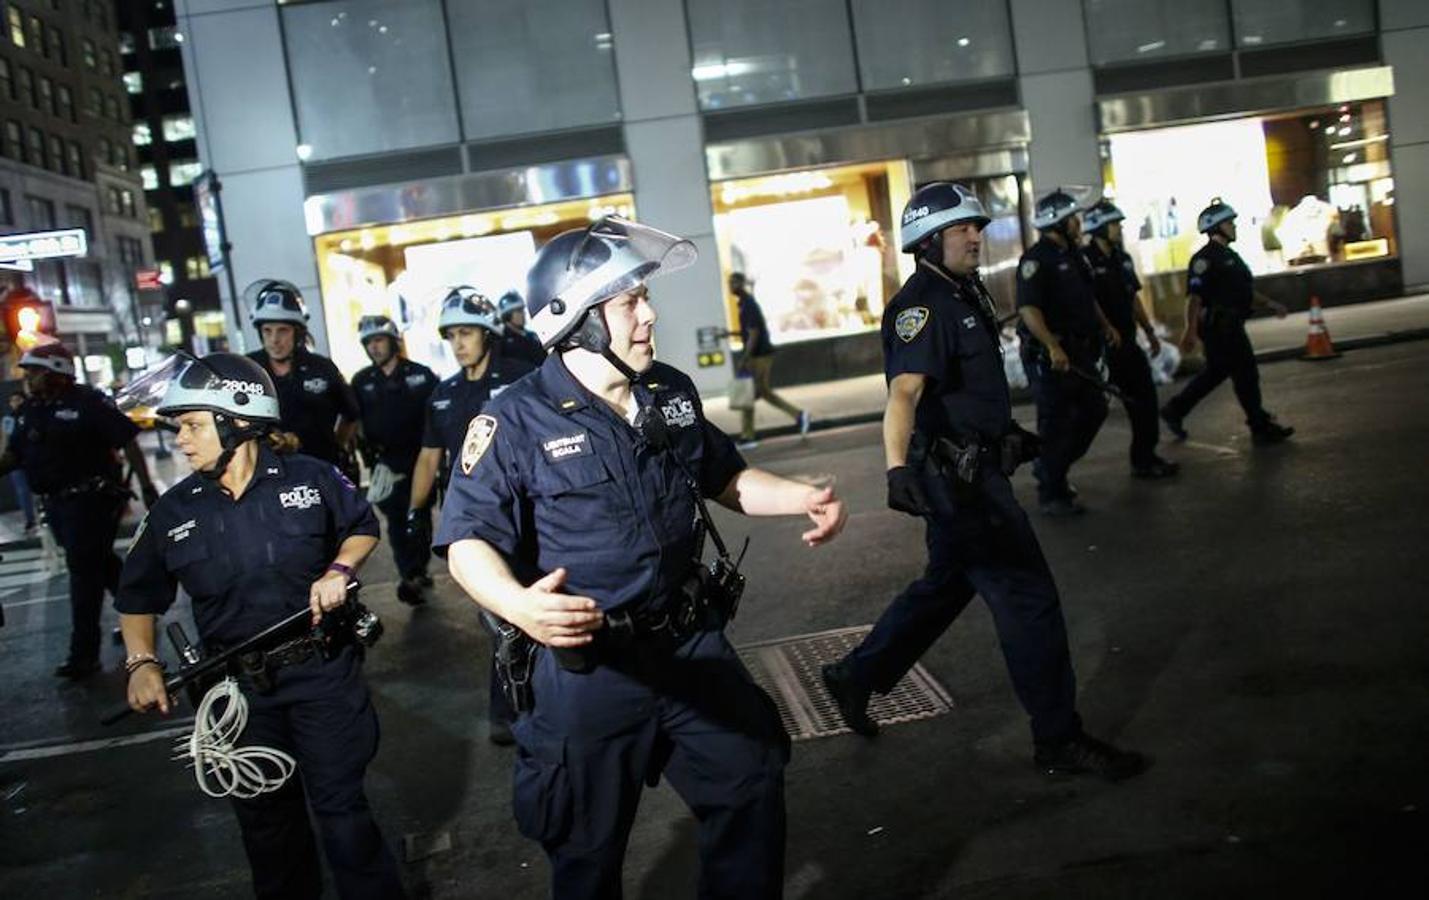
pixel 594 335
pixel 230 437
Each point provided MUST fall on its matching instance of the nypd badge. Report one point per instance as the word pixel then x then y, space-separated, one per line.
pixel 1028 269
pixel 910 322
pixel 478 437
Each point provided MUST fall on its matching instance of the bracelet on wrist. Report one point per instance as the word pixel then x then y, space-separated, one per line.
pixel 342 569
pixel 139 660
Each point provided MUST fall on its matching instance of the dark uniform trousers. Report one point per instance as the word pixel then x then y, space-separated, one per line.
pixel 321 714
pixel 409 555
pixel 1131 372
pixel 980 542
pixel 85 525
pixel 593 738
pixel 1229 354
pixel 1070 411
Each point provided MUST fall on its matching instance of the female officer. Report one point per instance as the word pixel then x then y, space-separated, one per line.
pixel 253 537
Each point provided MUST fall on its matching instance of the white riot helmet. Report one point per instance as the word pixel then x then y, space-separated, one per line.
pixel 1054 208
pixel 275 300
pixel 1212 216
pixel 578 270
pixel 465 305
pixel 223 383
pixel 1101 215
pixel 369 327
pixel 52 357
pixel 934 207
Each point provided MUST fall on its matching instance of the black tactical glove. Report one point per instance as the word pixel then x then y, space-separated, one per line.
pixel 419 526
pixel 905 492
pixel 1019 446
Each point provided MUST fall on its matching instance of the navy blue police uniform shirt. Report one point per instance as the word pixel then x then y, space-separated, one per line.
pixel 456 401
pixel 311 398
pixel 1058 282
pixel 1116 283
pixel 70 439
pixel 551 477
pixel 247 563
pixel 946 330
pixel 522 345
pixel 751 317
pixel 1221 279
pixel 394 410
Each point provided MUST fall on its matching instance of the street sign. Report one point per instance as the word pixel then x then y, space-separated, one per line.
pixel 210 217
pixel 15 248
pixel 148 280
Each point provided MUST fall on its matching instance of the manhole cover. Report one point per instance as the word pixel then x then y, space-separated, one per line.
pixel 788 669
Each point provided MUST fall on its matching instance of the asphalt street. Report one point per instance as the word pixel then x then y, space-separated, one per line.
pixel 1258 626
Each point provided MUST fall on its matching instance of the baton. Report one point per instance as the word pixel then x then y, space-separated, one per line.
pixel 1099 384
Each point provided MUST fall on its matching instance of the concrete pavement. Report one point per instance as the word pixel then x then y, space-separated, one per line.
pixel 1257 625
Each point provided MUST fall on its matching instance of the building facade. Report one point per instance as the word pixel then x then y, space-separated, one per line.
pixel 373 151
pixel 66 162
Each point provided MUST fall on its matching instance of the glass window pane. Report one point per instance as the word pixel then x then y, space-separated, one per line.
pixel 142 136
pixel 953 42
pixel 370 76
pixel 1260 22
pixel 150 177
pixel 182 173
pixel 1121 31
pixel 752 51
pixel 134 82
pixel 178 128
pixel 553 60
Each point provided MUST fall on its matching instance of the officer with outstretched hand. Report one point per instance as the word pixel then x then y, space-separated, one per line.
pixel 316 402
pixel 576 513
pixel 472 328
pixel 1221 296
pixel 67 438
pixel 516 341
pixel 1062 331
pixel 1117 290
pixel 253 536
pixel 392 396
pixel 951 445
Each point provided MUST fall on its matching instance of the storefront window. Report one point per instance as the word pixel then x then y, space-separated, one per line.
pixel 1311 187
pixel 553 60
pixel 404 270
pixel 1129 31
pixel 969 41
pixel 1260 22
pixel 819 246
pixel 370 76
pixel 751 51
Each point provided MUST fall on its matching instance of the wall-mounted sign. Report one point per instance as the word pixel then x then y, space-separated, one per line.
pixel 148 280
pixel 43 245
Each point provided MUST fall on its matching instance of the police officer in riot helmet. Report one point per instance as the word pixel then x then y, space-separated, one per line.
pixel 67 438
pixel 1062 330
pixel 392 396
pixel 951 445
pixel 472 328
pixel 516 341
pixel 316 402
pixel 253 536
pixel 1221 296
pixel 1117 290
pixel 574 515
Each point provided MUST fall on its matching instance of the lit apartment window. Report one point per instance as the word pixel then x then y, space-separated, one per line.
pixel 196 267
pixel 134 82
pixel 90 58
pixel 17 25
pixel 126 42
pixel 36 35
pixel 150 176
pixel 156 220
pixel 178 128
pixel 143 137
pixel 183 173
pixel 166 272
pixel 165 38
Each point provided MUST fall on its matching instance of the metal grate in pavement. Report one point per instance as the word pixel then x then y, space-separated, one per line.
pixel 788 669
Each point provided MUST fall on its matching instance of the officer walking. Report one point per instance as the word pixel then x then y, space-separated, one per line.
pixel 392 396
pixel 516 341
pixel 471 326
pixel 66 439
pixel 576 516
pixel 1117 287
pixel 253 536
pixel 1222 294
pixel 1059 310
pixel 951 446
pixel 316 401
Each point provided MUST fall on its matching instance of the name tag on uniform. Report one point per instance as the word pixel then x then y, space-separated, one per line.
pixel 67 415
pixel 557 449
pixel 441 405
pixel 315 385
pixel 678 412
pixel 970 322
pixel 416 380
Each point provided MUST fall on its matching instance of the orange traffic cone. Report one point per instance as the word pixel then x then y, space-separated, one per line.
pixel 1317 342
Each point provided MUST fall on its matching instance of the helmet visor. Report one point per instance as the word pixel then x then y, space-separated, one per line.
pixel 616 255
pixel 148 389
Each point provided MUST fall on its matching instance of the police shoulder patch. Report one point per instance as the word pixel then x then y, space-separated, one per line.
pixel 1028 269
pixel 1199 265
pixel 478 438
pixel 910 322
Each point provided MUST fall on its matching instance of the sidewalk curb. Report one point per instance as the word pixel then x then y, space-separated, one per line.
pixel 1025 396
